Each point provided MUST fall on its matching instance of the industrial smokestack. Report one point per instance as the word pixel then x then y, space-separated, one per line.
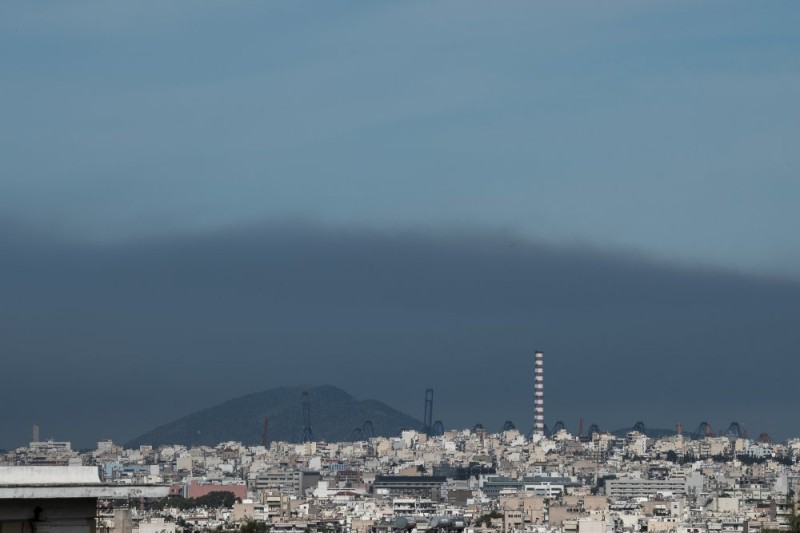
pixel 35 433
pixel 538 387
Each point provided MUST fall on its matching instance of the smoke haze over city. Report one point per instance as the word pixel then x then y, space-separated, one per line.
pixel 199 201
pixel 149 330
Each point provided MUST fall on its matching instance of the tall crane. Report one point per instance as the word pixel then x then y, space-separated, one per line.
pixel 427 421
pixel 307 433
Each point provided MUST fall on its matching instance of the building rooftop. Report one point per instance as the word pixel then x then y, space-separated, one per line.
pixel 27 482
pixel 49 475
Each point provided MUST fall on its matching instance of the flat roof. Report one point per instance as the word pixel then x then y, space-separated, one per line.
pixel 49 475
pixel 30 482
pixel 83 491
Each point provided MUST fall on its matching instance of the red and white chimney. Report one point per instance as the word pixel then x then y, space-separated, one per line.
pixel 538 388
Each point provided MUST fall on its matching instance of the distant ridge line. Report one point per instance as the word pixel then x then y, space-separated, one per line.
pixel 334 415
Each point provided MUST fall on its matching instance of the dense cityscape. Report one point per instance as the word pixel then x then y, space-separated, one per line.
pixel 429 479
pixel 466 479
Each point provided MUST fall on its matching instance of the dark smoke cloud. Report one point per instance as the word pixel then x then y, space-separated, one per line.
pixel 110 340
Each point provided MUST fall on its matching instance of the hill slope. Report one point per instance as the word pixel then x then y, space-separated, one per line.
pixel 334 414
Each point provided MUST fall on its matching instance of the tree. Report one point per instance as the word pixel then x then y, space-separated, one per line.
pixel 251 526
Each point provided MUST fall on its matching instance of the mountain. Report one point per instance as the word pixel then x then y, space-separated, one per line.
pixel 334 414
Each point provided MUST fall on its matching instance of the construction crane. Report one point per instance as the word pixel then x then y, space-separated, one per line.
pixel 307 433
pixel 734 431
pixel 703 430
pixel 265 432
pixel 427 421
pixel 508 425
pixel 368 430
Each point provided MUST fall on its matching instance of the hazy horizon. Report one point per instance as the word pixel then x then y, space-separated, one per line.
pixel 199 319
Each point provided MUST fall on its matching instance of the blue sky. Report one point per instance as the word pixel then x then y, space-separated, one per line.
pixel 664 128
